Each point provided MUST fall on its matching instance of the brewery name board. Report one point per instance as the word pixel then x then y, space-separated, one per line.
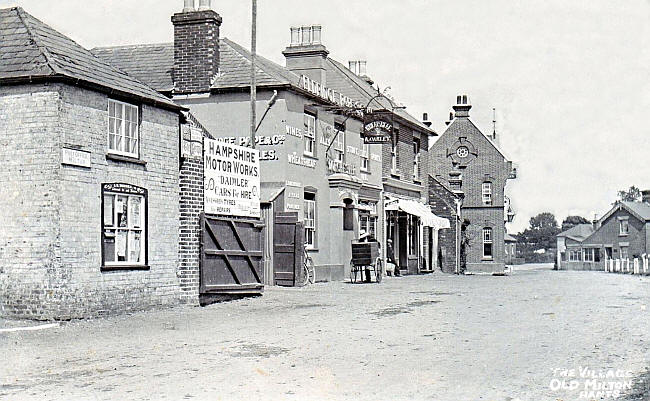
pixel 232 179
pixel 315 88
pixel 377 128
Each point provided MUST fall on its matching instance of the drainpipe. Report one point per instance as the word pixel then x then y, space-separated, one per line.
pixel 458 224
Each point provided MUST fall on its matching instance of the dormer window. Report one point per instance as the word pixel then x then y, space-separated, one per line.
pixel 123 129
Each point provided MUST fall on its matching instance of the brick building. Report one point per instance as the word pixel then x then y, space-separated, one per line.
pixel 471 165
pixel 623 233
pixel 335 190
pixel 89 189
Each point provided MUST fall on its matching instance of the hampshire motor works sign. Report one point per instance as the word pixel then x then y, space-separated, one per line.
pixel 232 179
pixel 377 128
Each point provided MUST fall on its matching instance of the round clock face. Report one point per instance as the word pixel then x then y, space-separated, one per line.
pixel 462 151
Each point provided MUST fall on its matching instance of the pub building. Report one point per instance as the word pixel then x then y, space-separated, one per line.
pixel 313 159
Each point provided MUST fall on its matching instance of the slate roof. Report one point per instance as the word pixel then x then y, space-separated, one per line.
pixel 641 209
pixel 31 50
pixel 341 79
pixel 579 232
pixel 153 64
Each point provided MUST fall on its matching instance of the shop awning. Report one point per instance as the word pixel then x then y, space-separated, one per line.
pixel 421 210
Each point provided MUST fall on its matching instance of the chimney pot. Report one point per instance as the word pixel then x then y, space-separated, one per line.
pixel 188 6
pixel 204 5
pixel 295 36
pixel 306 35
pixel 315 34
pixel 362 68
pixel 353 67
pixel 462 106
pixel 425 116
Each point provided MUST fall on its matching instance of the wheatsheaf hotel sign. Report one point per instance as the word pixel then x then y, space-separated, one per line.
pixel 232 179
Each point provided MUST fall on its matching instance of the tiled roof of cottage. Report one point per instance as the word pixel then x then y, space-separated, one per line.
pixel 31 50
pixel 578 232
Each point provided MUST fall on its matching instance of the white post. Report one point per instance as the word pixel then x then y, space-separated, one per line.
pixel 618 265
pixel 636 266
pixel 645 263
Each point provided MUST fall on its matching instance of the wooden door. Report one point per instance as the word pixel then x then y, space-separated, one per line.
pixel 231 254
pixel 287 249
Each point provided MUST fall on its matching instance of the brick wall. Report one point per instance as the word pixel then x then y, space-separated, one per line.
pixel 196 50
pixel 55 222
pixel 442 204
pixel 191 207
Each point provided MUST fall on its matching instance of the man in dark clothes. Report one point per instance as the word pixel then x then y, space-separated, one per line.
pixel 390 255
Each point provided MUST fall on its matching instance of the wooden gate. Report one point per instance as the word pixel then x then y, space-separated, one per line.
pixel 231 254
pixel 287 249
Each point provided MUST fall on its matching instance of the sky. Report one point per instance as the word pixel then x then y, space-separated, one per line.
pixel 570 80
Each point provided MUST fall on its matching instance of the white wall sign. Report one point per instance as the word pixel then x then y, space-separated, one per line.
pixel 75 157
pixel 232 179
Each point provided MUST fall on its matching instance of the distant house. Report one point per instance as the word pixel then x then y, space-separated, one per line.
pixel 622 233
pixel 569 247
pixel 510 249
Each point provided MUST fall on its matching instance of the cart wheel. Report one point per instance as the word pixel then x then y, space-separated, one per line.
pixel 379 270
pixel 353 272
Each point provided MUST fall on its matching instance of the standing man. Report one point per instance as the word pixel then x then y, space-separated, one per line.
pixel 390 255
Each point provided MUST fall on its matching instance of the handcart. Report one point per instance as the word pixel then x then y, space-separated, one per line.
pixel 365 256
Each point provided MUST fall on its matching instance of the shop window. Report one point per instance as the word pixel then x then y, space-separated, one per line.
pixel 348 215
pixel 575 255
pixel 486 191
pixel 310 220
pixel 487 243
pixel 368 218
pixel 416 160
pixel 124 227
pixel 309 135
pixel 123 129
pixel 339 142
pixel 624 227
pixel 596 254
pixel 588 255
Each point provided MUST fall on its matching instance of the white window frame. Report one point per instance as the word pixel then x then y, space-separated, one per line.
pixel 365 157
pixel 488 234
pixel 416 160
pixel 120 125
pixel 310 221
pixel 339 144
pixel 622 231
pixel 132 227
pixel 486 193
pixel 309 136
pixel 626 253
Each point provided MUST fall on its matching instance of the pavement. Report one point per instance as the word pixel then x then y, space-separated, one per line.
pixel 535 334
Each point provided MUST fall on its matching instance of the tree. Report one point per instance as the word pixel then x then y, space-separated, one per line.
pixel 572 221
pixel 540 235
pixel 633 194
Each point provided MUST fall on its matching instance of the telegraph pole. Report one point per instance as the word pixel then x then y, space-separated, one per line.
pixel 253 78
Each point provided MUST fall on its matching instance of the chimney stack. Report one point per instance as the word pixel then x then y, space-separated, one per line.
pixel 425 119
pixel 462 106
pixel 451 118
pixel 196 48
pixel 645 196
pixel 306 54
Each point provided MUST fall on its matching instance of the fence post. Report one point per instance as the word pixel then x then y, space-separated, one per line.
pixel 636 266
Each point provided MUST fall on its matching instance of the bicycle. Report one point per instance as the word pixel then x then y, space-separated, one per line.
pixel 309 273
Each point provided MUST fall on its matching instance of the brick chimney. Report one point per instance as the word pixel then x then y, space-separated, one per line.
pixel 196 48
pixel 462 106
pixel 645 195
pixel 306 55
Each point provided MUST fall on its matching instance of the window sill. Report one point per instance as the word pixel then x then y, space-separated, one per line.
pixel 127 159
pixel 307 155
pixel 309 250
pixel 487 259
pixel 108 268
pixel 623 235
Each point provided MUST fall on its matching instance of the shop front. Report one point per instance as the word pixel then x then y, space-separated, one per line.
pixel 407 221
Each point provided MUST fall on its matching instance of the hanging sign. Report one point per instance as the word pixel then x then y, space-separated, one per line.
pixel 377 128
pixel 232 179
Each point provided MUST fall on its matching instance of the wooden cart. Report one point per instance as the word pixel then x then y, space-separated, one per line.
pixel 365 256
